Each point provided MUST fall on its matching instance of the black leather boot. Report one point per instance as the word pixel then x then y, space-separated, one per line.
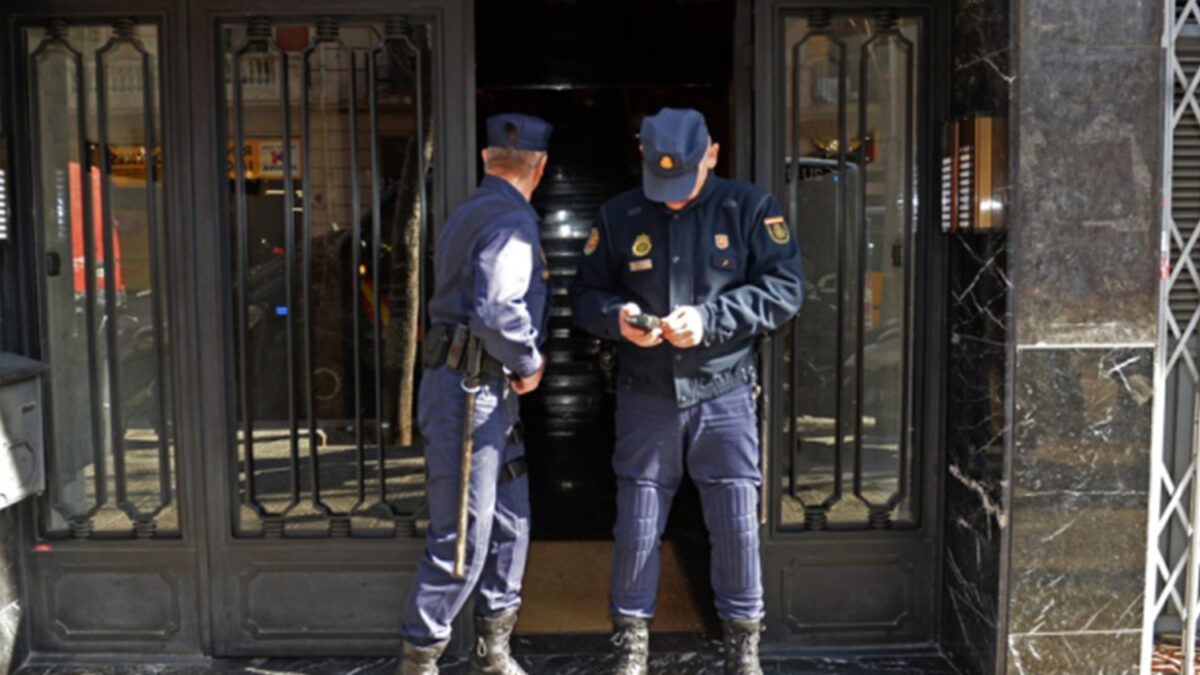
pixel 741 647
pixel 491 654
pixel 631 637
pixel 420 660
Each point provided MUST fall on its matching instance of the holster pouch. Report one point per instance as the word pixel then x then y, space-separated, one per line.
pixel 436 347
pixel 458 348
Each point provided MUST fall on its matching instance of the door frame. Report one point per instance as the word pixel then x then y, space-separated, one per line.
pixel 235 562
pixel 913 556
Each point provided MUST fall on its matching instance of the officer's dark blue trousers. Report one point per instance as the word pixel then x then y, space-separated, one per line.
pixel 498 526
pixel 718 440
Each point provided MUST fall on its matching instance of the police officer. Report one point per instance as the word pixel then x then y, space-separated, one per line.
pixel 488 320
pixel 714 262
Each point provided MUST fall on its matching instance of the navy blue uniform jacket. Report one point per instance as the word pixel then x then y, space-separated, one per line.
pixel 728 252
pixel 491 275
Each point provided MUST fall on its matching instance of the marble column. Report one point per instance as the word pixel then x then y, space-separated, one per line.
pixel 980 326
pixel 1083 250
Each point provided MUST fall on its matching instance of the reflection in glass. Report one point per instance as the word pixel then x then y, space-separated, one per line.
pixel 97 154
pixel 850 110
pixel 329 130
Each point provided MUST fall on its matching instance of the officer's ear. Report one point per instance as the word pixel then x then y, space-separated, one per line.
pixel 539 169
pixel 710 155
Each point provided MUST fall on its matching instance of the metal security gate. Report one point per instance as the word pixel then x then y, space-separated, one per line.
pixel 228 206
pixel 1172 595
pixel 846 140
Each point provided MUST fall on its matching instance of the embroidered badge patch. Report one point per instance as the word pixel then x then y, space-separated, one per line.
pixel 778 230
pixel 642 245
pixel 666 163
pixel 722 241
pixel 639 265
pixel 592 242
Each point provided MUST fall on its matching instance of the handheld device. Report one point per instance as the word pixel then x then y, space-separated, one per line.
pixel 643 322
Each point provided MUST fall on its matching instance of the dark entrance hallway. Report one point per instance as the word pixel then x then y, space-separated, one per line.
pixel 563 67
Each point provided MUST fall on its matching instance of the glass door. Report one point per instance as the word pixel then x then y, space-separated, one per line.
pixel 339 142
pixel 854 450
pixel 112 565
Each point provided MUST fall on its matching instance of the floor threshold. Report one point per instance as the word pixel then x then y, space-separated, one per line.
pixel 702 656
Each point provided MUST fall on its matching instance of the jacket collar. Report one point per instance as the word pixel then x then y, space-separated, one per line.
pixel 505 189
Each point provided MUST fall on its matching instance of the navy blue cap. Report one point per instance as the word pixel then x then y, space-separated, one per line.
pixel 523 132
pixel 673 145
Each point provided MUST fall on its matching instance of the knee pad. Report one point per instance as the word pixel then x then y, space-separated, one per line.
pixel 731 511
pixel 641 511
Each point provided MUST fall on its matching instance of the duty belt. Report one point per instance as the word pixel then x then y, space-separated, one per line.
pixel 449 345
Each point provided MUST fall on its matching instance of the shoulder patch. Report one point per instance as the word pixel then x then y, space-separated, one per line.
pixel 778 230
pixel 592 242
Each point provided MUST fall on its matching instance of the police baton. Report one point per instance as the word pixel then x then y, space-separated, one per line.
pixel 471 385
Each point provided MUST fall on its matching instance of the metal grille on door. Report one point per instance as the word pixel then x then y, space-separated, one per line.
pixel 98 176
pixel 330 142
pixel 847 359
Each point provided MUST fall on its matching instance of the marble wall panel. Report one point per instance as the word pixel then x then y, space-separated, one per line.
pixel 1078 506
pixel 977 426
pixel 1086 230
pixel 1107 653
pixel 1094 22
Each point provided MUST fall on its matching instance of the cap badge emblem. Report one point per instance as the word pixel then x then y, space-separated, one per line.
pixel 666 163
pixel 641 245
pixel 722 241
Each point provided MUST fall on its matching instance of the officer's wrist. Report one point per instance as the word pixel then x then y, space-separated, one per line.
pixel 529 365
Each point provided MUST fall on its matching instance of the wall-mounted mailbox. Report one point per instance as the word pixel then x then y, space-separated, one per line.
pixel 22 455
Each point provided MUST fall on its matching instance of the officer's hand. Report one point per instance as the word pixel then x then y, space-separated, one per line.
pixel 524 385
pixel 684 327
pixel 639 337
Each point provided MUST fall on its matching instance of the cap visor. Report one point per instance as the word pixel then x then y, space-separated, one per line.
pixel 674 189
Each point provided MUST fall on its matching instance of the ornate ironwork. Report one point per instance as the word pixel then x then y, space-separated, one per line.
pixel 310 490
pixel 847 160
